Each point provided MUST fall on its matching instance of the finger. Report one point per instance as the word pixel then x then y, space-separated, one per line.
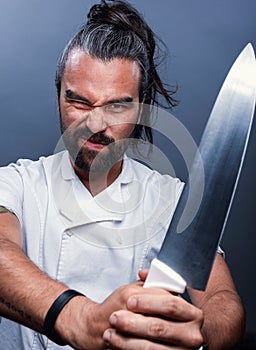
pixel 118 341
pixel 157 329
pixel 166 304
pixel 143 274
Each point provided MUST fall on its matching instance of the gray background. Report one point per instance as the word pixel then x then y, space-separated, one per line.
pixel 204 37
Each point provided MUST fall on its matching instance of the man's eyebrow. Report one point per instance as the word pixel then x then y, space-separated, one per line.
pixel 74 96
pixel 121 100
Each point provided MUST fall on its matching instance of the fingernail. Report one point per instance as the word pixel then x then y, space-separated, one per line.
pixel 113 320
pixel 132 303
pixel 107 336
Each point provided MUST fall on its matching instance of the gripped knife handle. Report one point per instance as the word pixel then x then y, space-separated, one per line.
pixel 162 276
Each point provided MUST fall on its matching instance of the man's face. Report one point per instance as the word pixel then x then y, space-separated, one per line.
pixel 98 107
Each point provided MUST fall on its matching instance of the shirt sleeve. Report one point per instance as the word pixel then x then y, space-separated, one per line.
pixel 11 190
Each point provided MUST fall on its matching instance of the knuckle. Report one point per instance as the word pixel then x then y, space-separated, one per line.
pixel 199 315
pixel 196 339
pixel 127 324
pixel 157 329
pixel 172 307
pixel 125 293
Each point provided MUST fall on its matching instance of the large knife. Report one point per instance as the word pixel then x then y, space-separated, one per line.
pixel 189 249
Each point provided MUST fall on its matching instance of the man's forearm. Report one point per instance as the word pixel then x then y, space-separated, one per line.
pixel 224 320
pixel 224 316
pixel 26 293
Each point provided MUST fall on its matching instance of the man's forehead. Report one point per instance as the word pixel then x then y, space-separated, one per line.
pixel 97 80
pixel 78 56
pixel 75 56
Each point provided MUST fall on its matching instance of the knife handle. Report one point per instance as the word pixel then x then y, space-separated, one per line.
pixel 162 276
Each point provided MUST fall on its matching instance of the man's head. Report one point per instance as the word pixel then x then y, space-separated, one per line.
pixel 99 107
pixel 115 31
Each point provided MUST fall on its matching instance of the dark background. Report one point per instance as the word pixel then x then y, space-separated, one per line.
pixel 204 37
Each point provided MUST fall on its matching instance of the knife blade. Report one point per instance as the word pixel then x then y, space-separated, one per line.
pixel 189 248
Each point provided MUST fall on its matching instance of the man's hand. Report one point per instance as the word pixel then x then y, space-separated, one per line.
pixel 83 322
pixel 155 320
pixel 167 321
pixel 130 318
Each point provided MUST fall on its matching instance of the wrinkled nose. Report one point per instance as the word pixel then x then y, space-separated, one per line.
pixel 96 120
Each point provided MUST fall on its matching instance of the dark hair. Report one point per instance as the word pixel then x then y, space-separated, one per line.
pixel 115 29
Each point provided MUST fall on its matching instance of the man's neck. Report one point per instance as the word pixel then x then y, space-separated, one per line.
pixel 96 182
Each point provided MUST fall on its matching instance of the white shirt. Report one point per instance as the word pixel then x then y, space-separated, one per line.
pixel 92 244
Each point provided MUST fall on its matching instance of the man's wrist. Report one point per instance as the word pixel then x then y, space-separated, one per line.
pixel 54 312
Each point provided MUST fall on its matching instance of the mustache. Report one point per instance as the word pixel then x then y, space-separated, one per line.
pixel 98 137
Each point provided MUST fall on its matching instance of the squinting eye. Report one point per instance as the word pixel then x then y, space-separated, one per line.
pixel 81 105
pixel 85 106
pixel 117 107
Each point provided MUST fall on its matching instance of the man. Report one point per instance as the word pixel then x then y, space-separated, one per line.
pixel 76 227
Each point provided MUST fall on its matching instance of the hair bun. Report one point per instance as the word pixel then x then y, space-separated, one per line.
pixel 98 12
pixel 114 12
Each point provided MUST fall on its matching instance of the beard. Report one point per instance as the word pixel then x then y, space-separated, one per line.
pixel 92 160
pixel 99 161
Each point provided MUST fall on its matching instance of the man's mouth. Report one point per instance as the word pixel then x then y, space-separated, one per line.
pixel 97 142
pixel 94 145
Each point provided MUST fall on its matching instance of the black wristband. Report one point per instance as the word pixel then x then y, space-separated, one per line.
pixel 53 313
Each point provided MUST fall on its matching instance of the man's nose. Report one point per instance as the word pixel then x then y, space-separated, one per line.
pixel 96 120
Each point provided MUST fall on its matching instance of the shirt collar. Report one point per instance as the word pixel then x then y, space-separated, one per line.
pixel 67 169
pixel 126 176
pixel 111 203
